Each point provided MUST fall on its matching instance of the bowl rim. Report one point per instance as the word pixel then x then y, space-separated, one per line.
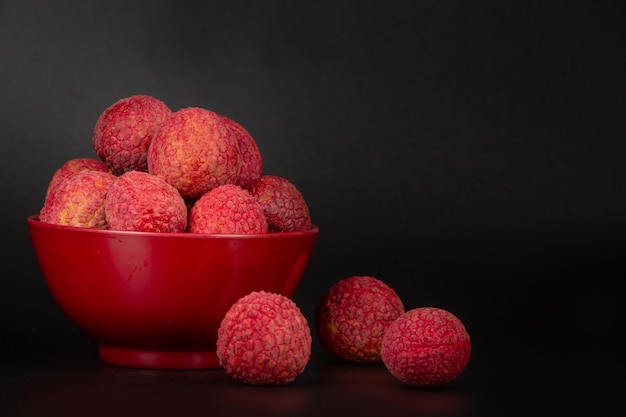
pixel 34 221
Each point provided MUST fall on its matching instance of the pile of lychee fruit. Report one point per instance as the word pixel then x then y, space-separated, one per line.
pixel 196 171
pixel 157 170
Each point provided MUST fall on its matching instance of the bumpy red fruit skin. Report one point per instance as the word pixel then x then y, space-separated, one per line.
pixel 426 347
pixel 139 201
pixel 124 130
pixel 74 166
pixel 195 151
pixel 264 339
pixel 78 200
pixel 353 315
pixel 228 209
pixel 284 205
pixel 251 162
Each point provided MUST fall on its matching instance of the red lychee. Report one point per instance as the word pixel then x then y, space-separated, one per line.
pixel 283 204
pixel 251 162
pixel 426 347
pixel 353 315
pixel 195 151
pixel 264 339
pixel 74 166
pixel 124 130
pixel 228 209
pixel 142 202
pixel 78 200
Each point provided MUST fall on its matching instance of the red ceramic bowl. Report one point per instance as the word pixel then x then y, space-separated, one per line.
pixel 155 300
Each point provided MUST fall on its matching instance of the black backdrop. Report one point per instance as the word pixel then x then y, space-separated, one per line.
pixel 470 154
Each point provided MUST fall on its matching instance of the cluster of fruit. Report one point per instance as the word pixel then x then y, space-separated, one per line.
pixel 157 170
pixel 264 339
pixel 197 171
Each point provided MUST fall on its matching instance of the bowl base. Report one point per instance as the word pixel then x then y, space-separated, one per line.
pixel 158 359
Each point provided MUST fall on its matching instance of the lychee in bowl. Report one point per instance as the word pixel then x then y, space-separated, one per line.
pixel 155 300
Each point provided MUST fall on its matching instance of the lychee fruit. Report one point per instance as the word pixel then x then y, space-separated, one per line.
pixel 74 166
pixel 426 347
pixel 227 209
pixel 264 339
pixel 353 315
pixel 142 202
pixel 124 130
pixel 78 200
pixel 195 151
pixel 251 162
pixel 284 205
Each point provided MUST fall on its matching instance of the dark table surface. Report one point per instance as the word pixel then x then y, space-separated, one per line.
pixel 61 375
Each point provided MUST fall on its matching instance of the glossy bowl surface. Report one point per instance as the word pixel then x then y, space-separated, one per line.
pixel 155 300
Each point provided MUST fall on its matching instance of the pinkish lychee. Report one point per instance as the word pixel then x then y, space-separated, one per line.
pixel 227 209
pixel 251 162
pixel 426 347
pixel 284 205
pixel 78 200
pixel 352 317
pixel 195 151
pixel 142 202
pixel 74 166
pixel 124 131
pixel 264 339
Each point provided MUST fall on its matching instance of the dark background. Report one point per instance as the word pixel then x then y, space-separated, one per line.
pixel 468 153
